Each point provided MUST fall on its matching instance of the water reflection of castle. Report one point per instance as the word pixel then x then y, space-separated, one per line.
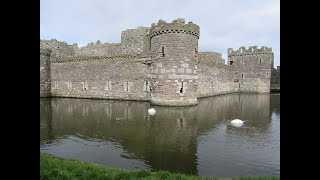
pixel 172 134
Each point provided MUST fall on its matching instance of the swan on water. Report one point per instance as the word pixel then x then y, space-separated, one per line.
pixel 118 118
pixel 152 111
pixel 237 122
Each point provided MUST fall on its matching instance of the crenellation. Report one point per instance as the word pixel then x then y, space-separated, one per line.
pixel 176 26
pixel 252 50
pixel 58 49
pixel 160 64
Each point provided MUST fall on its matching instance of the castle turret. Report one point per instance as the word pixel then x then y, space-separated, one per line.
pixel 174 49
pixel 252 67
pixel 45 80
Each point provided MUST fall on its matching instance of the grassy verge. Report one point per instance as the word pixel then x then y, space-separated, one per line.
pixel 52 167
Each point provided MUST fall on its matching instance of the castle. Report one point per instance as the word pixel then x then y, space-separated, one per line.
pixel 160 64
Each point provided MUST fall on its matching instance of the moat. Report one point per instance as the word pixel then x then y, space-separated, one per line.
pixel 196 140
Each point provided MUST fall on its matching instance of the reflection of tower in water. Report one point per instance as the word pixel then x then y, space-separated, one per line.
pixel 181 120
pixel 85 110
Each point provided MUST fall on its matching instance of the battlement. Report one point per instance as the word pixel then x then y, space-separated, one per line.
pixel 97 45
pixel 45 52
pixel 176 26
pixel 251 50
pixel 58 49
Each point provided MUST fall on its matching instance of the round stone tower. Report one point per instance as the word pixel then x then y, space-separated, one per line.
pixel 45 80
pixel 174 50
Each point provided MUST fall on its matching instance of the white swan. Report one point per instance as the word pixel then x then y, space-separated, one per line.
pixel 118 118
pixel 237 122
pixel 152 111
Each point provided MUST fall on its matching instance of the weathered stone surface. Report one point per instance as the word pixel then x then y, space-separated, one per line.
pixel 252 68
pixel 160 64
pixel 45 79
pixel 275 79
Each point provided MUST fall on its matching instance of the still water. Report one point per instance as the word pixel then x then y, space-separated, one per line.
pixel 196 140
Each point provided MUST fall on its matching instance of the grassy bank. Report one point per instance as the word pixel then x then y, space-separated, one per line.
pixel 52 167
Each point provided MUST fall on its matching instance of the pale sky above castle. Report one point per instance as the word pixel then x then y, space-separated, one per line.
pixel 223 23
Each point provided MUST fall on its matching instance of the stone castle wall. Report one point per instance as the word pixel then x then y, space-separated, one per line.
pixel 133 42
pixel 252 67
pixel 275 79
pixel 99 49
pixel 103 77
pixel 215 77
pixel 215 81
pixel 160 64
pixel 45 74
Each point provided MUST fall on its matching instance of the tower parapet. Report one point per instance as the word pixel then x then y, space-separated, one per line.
pixel 176 26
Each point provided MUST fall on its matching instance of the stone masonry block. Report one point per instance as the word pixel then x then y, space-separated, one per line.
pixel 181 70
pixel 185 65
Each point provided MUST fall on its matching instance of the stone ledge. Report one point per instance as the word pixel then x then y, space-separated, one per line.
pixel 170 102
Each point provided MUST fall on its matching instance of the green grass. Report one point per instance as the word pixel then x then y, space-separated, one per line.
pixel 54 168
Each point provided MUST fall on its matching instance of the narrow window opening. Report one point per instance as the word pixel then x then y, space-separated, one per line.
pixel 127 86
pixel 231 62
pixel 242 75
pixel 84 86
pixel 181 89
pixel 267 74
pixel 196 52
pixel 146 85
pixel 162 51
pixel 260 60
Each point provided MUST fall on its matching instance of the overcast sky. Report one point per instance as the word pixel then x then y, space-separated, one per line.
pixel 223 23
